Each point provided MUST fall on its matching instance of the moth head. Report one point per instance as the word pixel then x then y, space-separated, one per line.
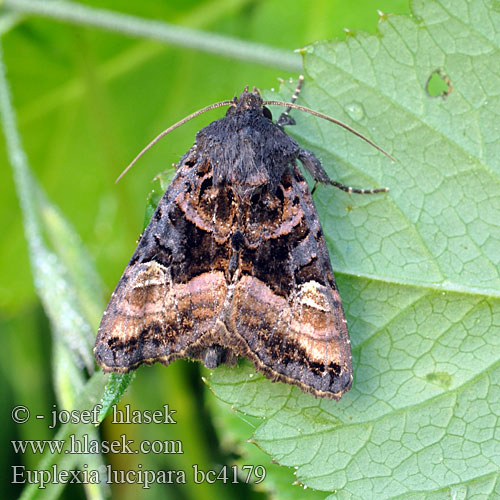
pixel 254 102
pixel 249 101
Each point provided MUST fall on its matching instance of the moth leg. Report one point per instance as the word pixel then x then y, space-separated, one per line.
pixel 285 118
pixel 314 167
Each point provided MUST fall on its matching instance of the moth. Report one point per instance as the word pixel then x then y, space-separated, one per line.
pixel 234 261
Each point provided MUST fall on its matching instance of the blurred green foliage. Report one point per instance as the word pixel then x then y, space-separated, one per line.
pixel 87 101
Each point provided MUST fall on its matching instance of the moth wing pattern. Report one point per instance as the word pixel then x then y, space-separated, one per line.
pixel 164 303
pixel 287 310
pixel 234 263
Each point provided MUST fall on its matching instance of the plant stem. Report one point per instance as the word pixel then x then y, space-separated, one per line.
pixel 49 273
pixel 26 191
pixel 161 31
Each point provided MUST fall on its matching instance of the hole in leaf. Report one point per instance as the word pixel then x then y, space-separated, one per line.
pixel 438 84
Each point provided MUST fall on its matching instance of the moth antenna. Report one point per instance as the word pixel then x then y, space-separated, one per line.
pixel 173 127
pixel 290 105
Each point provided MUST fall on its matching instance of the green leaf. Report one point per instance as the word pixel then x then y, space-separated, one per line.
pixel 233 428
pixel 115 388
pixel 154 197
pixel 418 268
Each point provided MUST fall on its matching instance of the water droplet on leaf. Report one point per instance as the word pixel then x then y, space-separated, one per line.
pixel 356 111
